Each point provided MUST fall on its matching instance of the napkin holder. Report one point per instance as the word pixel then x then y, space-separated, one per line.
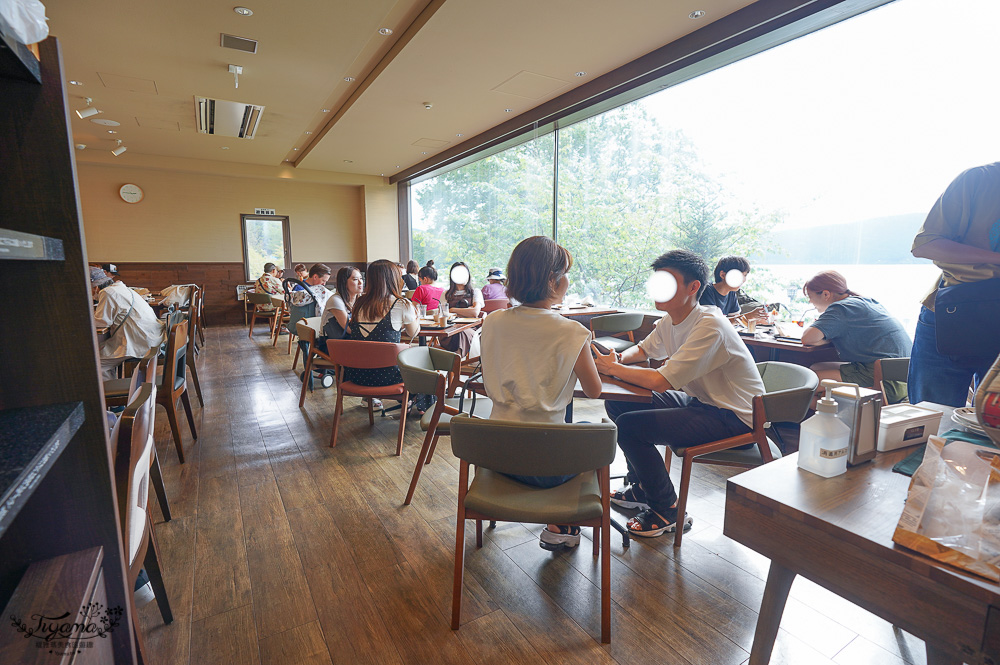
pixel 859 409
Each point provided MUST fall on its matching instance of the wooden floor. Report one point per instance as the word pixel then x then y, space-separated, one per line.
pixel 283 550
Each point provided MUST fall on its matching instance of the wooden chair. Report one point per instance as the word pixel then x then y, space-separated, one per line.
pixel 121 392
pixel 280 321
pixel 194 329
pixel 201 316
pixel 493 304
pixel 172 384
pixel 619 326
pixel 430 371
pixel 366 355
pixel 890 369
pixel 132 440
pixel 498 447
pixel 314 359
pixel 789 392
pixel 260 301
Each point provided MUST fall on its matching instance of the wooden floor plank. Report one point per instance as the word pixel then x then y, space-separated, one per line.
pixel 302 645
pixel 221 577
pixel 229 637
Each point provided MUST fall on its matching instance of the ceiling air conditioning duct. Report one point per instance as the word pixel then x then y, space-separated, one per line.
pixel 222 118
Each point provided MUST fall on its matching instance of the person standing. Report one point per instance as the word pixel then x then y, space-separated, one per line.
pixel 961 235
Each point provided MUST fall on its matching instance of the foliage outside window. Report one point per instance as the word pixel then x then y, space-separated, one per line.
pixel 265 240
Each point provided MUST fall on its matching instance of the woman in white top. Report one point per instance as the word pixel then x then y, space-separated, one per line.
pixel 337 312
pixel 532 356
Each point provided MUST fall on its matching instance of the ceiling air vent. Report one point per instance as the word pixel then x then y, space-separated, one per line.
pixel 222 118
pixel 239 43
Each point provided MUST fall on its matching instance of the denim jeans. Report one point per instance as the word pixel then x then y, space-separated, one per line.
pixel 937 378
pixel 672 418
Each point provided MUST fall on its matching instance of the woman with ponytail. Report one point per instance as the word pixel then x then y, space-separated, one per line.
pixel 859 328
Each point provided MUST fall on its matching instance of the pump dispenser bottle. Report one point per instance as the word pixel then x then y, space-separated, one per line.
pixel 824 438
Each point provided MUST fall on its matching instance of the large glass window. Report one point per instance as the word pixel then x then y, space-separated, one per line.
pixel 265 240
pixel 824 153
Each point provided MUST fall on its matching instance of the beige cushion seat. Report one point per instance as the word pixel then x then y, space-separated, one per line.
pixel 505 499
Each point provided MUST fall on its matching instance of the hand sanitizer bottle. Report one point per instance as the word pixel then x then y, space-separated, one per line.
pixel 824 438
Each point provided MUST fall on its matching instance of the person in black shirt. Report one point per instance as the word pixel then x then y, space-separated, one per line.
pixel 730 274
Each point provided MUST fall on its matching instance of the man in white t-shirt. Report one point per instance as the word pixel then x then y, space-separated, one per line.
pixel 702 393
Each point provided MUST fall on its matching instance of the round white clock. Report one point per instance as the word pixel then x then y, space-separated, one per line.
pixel 130 193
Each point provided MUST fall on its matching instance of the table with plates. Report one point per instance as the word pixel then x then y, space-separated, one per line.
pixel 767 344
pixel 430 330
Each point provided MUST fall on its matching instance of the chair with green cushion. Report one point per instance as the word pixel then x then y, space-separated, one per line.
pixel 789 391
pixel 617 326
pixel 120 392
pixel 428 370
pixel 262 309
pixel 498 447
pixel 891 370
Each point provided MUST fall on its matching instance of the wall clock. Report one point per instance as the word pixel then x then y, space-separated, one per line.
pixel 130 193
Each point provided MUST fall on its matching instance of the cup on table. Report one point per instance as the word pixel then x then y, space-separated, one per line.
pixel 422 310
pixel 751 325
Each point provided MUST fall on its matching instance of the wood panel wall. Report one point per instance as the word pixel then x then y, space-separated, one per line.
pixel 219 279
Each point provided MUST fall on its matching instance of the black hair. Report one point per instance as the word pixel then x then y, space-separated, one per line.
pixel 429 272
pixel 727 263
pixel 343 277
pixel 452 286
pixel 688 264
pixel 319 269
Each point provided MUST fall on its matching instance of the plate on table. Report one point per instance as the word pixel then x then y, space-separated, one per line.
pixel 463 319
pixel 966 417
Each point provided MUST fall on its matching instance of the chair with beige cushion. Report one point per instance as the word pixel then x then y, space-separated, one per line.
pixel 430 371
pixel 498 447
pixel 619 329
pixel 314 358
pixel 262 309
pixel 789 392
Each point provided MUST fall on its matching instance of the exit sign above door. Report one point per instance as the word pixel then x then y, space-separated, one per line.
pixel 263 211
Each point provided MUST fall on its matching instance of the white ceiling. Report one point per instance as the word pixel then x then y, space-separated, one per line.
pixel 143 64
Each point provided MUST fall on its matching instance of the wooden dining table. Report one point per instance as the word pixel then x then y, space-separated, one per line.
pixel 765 347
pixel 430 331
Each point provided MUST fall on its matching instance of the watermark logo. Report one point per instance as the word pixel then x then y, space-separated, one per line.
pixel 60 635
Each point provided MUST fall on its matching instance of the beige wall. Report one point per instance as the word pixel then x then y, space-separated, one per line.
pixel 192 214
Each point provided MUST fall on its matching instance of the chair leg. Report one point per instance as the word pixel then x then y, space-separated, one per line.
pixel 606 578
pixel 597 540
pixel 402 422
pixel 290 336
pixel 434 445
pixel 140 642
pixel 456 593
pixel 295 360
pixel 479 533
pixel 420 460
pixel 667 455
pixel 253 319
pixel 371 412
pixel 306 375
pixel 186 401
pixel 682 497
pixel 156 478
pixel 151 563
pixel 175 427
pixel 336 417
pixel 197 384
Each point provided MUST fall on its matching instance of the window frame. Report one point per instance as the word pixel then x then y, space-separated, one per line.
pixel 286 239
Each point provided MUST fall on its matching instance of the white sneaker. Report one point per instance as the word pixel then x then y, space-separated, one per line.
pixel 568 536
pixel 144 595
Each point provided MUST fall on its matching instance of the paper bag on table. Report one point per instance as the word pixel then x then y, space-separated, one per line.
pixel 952 511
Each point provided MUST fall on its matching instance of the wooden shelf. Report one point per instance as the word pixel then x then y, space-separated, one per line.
pixel 29 247
pixel 31 440
pixel 17 61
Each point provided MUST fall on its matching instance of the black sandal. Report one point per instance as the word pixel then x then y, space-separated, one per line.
pixel 650 524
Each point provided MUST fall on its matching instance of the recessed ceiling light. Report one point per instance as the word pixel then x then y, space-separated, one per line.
pixel 349 79
pixel 348 161
pixel 508 110
pixel 294 148
pixel 111 131
pixel 76 82
pixel 460 135
pixel 580 74
pixel 243 11
pixel 385 31
pixel 225 147
pixel 423 153
pixel 326 110
pixel 397 166
pixel 696 14
pixel 81 146
pixel 379 173
pixel 308 133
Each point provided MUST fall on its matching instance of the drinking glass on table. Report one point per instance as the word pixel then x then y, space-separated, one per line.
pixel 422 310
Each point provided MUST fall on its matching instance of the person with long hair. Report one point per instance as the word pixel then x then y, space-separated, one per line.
pixel 427 293
pixel 463 299
pixel 532 356
pixel 380 314
pixel 410 278
pixel 859 328
pixel 337 312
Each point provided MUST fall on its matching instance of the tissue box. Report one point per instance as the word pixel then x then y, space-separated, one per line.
pixel 903 425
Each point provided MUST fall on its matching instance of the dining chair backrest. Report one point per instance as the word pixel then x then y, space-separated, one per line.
pixel 493 304
pixel 305 332
pixel 192 314
pixel 258 299
pixel 175 364
pixel 422 368
pixel 789 391
pixel 145 372
pixel 408 293
pixel 617 323
pixel 133 445
pixel 363 355
pixel 533 449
